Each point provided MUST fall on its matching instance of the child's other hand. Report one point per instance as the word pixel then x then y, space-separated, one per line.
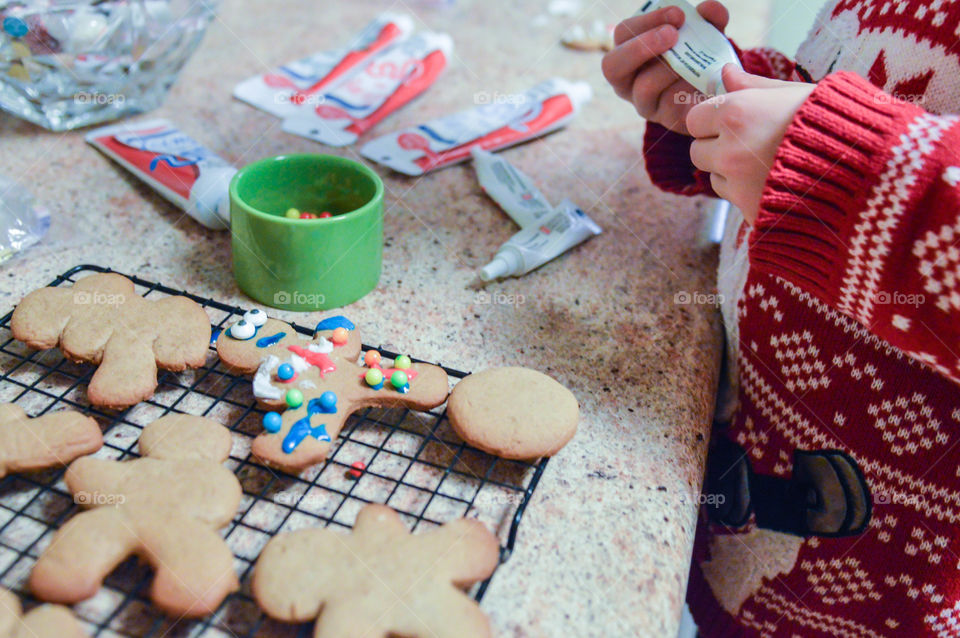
pixel 738 134
pixel 639 76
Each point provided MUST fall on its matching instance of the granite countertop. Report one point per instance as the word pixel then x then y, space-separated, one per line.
pixel 604 547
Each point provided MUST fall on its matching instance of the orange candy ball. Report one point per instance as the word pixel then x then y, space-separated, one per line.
pixel 339 336
pixel 371 358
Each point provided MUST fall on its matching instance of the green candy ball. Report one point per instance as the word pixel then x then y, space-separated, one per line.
pixel 292 213
pixel 294 398
pixel 402 362
pixel 373 377
pixel 399 379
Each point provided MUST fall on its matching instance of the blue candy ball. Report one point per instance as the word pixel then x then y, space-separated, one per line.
pixel 285 372
pixel 272 422
pixel 15 27
pixel 328 401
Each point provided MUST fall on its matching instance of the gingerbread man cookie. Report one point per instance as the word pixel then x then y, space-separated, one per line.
pixel 380 580
pixel 45 621
pixel 102 320
pixel 165 507
pixel 317 383
pixel 56 438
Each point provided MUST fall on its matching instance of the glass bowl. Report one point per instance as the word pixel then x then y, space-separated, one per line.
pixel 71 63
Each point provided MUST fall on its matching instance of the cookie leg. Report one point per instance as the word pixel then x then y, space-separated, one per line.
pixel 87 548
pixel 127 373
pixel 194 567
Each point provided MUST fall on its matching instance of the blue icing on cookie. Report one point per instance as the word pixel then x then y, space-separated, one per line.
pixel 274 339
pixel 332 323
pixel 214 336
pixel 301 430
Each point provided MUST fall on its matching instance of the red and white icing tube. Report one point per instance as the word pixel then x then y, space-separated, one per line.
pixel 185 172
pixel 384 84
pixel 286 89
pixel 503 122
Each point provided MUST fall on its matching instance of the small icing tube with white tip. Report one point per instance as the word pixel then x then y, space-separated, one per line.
pixel 371 93
pixel 513 191
pixel 302 82
pixel 701 50
pixel 503 121
pixel 534 246
pixel 183 171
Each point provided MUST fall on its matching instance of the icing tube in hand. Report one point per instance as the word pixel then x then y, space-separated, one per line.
pixel 544 108
pixel 701 50
pixel 285 90
pixel 532 247
pixel 185 173
pixel 384 84
pixel 513 191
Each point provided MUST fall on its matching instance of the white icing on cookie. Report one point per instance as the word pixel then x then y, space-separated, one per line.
pixel 307 383
pixel 263 387
pixel 299 363
pixel 324 345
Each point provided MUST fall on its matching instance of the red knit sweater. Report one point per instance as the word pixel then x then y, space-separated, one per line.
pixel 843 311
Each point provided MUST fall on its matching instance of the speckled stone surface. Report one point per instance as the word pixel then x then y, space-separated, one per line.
pixel 604 546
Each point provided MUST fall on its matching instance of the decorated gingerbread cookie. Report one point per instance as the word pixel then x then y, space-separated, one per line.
pixel 56 438
pixel 45 621
pixel 102 320
pixel 165 507
pixel 514 413
pixel 379 580
pixel 312 385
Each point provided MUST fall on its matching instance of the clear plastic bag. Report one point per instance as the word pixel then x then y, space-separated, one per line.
pixel 22 223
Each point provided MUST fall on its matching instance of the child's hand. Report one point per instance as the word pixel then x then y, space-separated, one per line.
pixel 738 134
pixel 639 76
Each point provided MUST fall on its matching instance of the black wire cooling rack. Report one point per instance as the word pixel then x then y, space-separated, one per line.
pixel 415 464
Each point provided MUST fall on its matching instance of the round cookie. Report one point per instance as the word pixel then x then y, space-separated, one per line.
pixel 515 413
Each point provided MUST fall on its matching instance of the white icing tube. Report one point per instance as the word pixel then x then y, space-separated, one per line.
pixel 701 50
pixel 513 191
pixel 534 246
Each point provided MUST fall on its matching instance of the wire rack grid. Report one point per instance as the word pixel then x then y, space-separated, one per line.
pixel 414 463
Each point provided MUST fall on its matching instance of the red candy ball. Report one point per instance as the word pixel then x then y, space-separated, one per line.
pixel 307 216
pixel 356 469
pixel 325 214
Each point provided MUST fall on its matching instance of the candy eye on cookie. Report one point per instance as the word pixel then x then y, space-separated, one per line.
pixel 247 326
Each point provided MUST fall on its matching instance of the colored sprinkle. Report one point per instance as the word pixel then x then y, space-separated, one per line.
pixel 371 358
pixel 292 213
pixel 294 398
pixel 285 372
pixel 272 340
pixel 399 380
pixel 272 422
pixel 308 216
pixel 16 27
pixel 402 362
pixel 331 323
pixel 325 214
pixel 328 402
pixel 374 378
pixel 339 336
pixel 356 470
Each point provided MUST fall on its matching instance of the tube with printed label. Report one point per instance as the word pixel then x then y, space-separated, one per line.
pixel 534 246
pixel 183 171
pixel 701 50
pixel 513 191
pixel 301 83
pixel 384 84
pixel 504 120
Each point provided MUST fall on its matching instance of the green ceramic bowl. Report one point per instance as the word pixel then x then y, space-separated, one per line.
pixel 306 264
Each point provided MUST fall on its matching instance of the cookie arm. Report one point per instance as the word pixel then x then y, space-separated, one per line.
pixel 52 439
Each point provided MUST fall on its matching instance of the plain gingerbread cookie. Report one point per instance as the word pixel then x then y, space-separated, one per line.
pixel 166 507
pixel 45 621
pixel 326 380
pixel 514 413
pixel 102 320
pixel 55 438
pixel 379 580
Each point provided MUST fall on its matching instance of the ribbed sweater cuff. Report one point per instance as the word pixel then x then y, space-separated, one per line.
pixel 832 155
pixel 668 163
